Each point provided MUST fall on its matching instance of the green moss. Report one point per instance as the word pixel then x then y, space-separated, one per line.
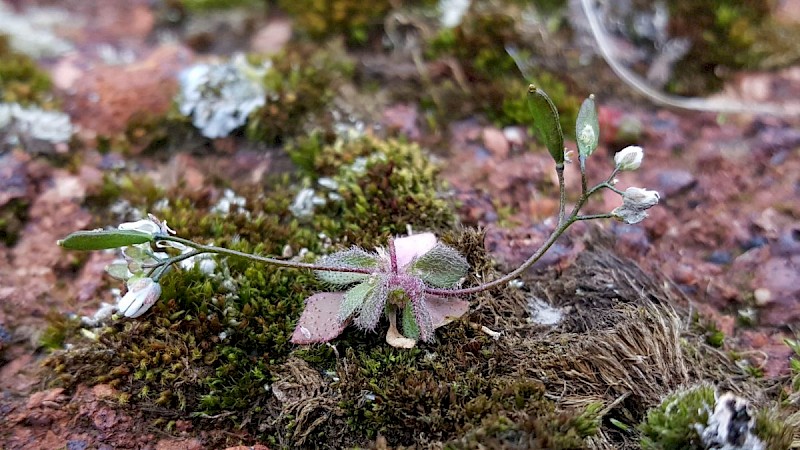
pixel 773 430
pixel 13 216
pixel 384 185
pixel 479 43
pixel 59 329
pixel 320 19
pixel 457 391
pixel 299 86
pixel 492 81
pixel 546 429
pixel 672 423
pixel 21 79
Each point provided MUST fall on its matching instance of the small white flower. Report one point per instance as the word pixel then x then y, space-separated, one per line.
pixel 143 226
pixel 142 294
pixel 629 158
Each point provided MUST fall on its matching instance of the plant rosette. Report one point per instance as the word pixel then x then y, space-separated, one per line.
pixel 397 286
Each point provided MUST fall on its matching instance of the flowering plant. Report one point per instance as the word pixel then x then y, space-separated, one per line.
pixel 397 284
pixel 416 277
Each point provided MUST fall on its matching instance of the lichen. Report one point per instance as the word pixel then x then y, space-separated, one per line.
pixel 34 129
pixel 219 97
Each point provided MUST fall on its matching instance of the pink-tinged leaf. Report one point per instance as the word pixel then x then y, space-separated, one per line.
pixel 444 310
pixel 409 247
pixel 318 322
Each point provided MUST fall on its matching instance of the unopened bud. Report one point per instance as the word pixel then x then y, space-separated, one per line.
pixel 629 158
pixel 635 197
pixel 635 203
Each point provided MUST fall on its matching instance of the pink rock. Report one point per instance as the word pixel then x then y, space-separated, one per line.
pixel 779 279
pixel 402 118
pixel 496 142
pixel 272 38
pixel 106 98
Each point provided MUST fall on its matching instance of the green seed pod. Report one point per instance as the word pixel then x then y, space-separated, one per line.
pixel 103 239
pixel 545 122
pixel 587 128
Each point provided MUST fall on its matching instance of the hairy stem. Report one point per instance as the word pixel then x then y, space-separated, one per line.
pixel 582 161
pixel 537 255
pixel 562 193
pixel 200 248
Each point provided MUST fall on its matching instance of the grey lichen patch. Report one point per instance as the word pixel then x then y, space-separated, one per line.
pixel 220 97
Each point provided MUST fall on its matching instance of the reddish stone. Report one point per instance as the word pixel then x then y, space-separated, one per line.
pixel 106 97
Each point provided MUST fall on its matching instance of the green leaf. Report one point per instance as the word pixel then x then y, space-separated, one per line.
pixel 619 424
pixel 441 267
pixel 354 299
pixel 587 128
pixel 410 327
pixel 347 259
pixel 794 345
pixel 545 122
pixel 103 239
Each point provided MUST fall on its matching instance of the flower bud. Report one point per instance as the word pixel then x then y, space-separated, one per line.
pixel 142 294
pixel 629 158
pixel 635 203
pixel 639 198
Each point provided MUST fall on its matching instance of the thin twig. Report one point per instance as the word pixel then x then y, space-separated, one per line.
pixel 263 259
pixel 692 103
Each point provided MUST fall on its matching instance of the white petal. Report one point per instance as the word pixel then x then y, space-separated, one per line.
pixel 144 225
pixel 133 309
pixel 125 302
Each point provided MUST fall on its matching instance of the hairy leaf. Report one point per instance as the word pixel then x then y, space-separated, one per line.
pixel 319 323
pixel 441 267
pixel 410 327
pixel 350 259
pixel 372 308
pixel 355 297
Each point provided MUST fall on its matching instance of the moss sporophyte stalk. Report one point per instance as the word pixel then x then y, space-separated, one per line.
pixel 415 279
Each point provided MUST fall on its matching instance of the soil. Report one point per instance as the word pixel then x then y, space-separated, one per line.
pixel 725 237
